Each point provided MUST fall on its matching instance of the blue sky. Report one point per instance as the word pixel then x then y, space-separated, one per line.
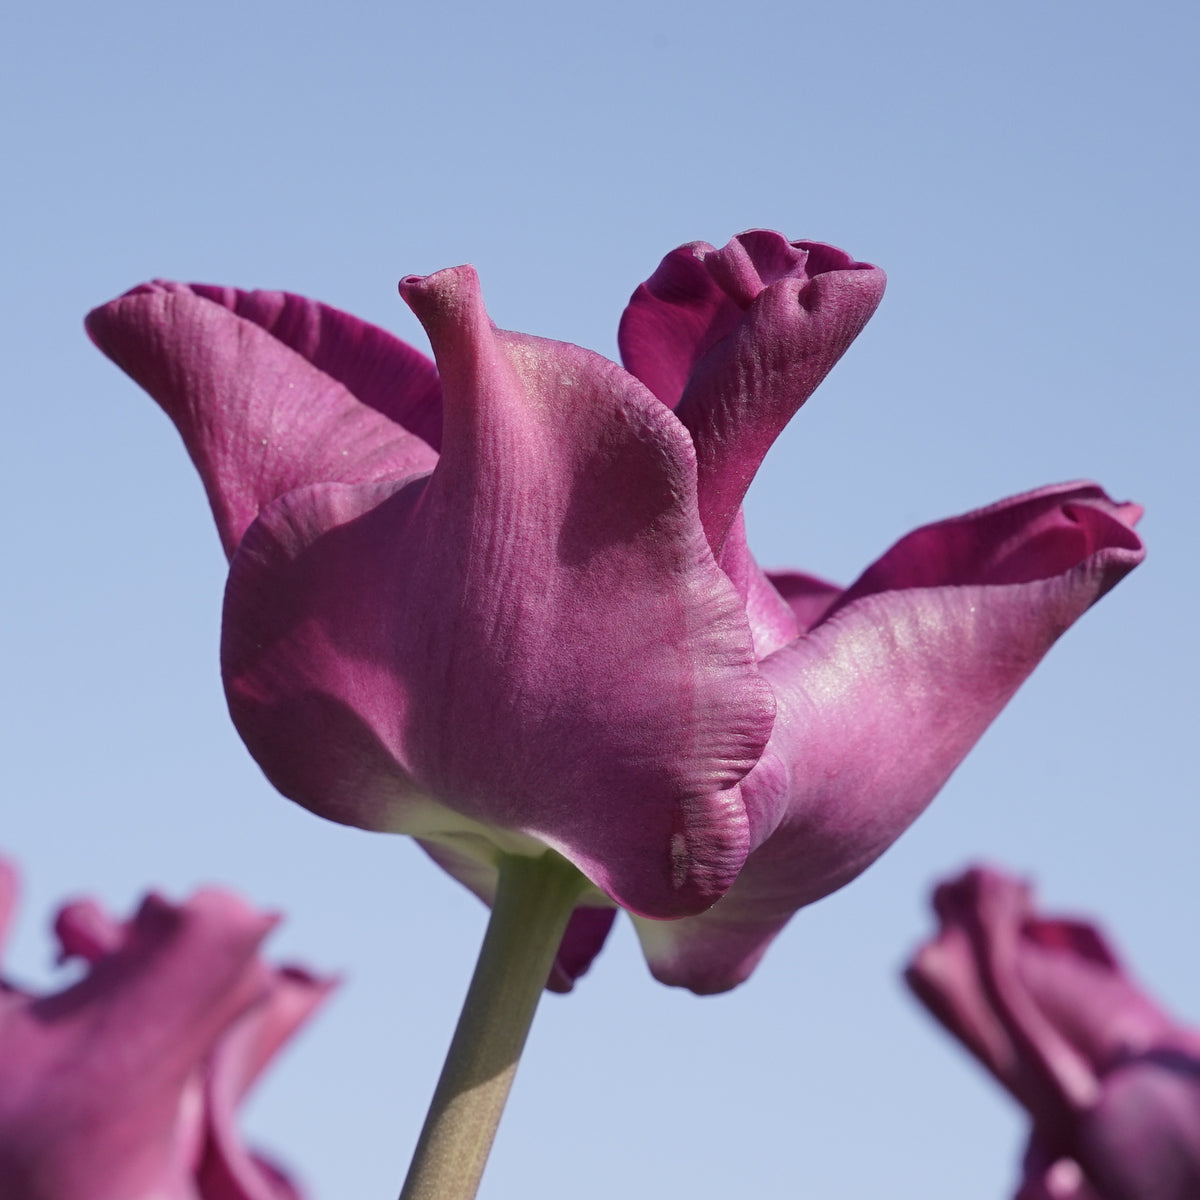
pixel 1025 173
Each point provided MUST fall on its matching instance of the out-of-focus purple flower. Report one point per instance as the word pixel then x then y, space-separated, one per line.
pixel 125 1085
pixel 506 603
pixel 1111 1081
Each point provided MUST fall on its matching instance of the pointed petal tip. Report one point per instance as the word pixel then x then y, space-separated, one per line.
pixel 97 320
pixel 980 893
pixel 449 304
pixel 439 286
pixel 823 257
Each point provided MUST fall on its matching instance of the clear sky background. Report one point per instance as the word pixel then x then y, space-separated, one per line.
pixel 1025 172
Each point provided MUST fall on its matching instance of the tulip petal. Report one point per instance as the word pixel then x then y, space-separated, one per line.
pixel 672 319
pixel 772 620
pixel 1076 980
pixel 985 916
pixel 809 597
pixel 736 340
pixel 1066 967
pixel 583 939
pixel 376 368
pixel 537 635
pixel 697 296
pixel 227 1170
pixel 882 699
pixel 262 387
pixel 945 975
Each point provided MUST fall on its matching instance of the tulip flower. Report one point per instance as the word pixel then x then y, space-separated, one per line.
pixel 124 1085
pixel 505 604
pixel 1111 1082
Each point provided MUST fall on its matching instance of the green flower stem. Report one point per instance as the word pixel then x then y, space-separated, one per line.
pixel 534 901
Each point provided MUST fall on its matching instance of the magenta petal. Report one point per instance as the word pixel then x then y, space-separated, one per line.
pixel 737 339
pixel 257 416
pixel 883 698
pixel 772 620
pixel 982 957
pixel 695 298
pixel 808 597
pixel 227 1170
pixel 672 319
pixel 583 939
pixel 537 636
pixel 1026 539
pixel 1074 979
pixel 375 367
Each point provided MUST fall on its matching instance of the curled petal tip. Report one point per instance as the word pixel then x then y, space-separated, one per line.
pixel 449 305
pixel 918 656
pixel 444 289
pixel 736 340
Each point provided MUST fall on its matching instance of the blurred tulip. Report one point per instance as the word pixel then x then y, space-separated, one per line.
pixel 124 1085
pixel 1111 1082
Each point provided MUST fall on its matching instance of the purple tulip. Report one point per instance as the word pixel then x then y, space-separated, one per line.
pixel 1111 1082
pixel 506 603
pixel 124 1085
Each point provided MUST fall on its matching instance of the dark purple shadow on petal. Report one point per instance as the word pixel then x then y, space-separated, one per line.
pixel 584 938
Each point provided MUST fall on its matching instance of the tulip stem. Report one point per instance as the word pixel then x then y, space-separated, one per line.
pixel 534 901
